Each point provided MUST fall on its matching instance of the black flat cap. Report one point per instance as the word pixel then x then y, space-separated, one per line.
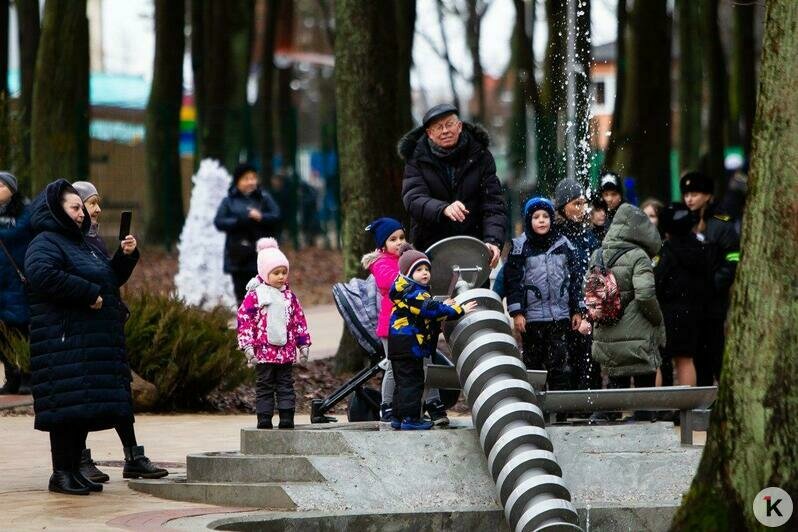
pixel 438 111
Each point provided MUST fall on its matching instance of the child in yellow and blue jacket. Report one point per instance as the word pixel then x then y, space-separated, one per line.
pixel 412 335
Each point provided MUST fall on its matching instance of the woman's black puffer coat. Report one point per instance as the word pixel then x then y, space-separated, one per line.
pixel 80 375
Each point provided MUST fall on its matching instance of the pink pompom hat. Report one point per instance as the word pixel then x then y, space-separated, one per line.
pixel 269 257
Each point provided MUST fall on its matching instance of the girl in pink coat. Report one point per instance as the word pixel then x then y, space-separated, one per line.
pixel 383 263
pixel 271 328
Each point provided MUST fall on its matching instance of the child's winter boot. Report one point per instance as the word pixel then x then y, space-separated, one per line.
pixel 415 424
pixel 265 421
pixel 286 418
pixel 437 413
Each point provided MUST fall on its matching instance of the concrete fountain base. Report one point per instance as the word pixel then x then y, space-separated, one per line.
pixel 358 477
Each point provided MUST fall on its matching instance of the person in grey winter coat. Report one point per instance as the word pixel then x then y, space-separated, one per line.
pixel 630 347
pixel 543 292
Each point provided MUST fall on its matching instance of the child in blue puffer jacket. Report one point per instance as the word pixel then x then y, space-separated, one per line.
pixel 543 292
pixel 412 335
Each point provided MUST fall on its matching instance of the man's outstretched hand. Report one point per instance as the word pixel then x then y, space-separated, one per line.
pixel 495 253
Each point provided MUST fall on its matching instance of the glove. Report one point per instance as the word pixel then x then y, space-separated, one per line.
pixel 304 353
pixel 249 353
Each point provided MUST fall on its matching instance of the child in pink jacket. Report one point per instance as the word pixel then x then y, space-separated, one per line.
pixel 271 328
pixel 383 263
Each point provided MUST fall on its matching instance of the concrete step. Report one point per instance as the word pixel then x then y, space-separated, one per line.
pixel 268 495
pixel 240 468
pixel 299 442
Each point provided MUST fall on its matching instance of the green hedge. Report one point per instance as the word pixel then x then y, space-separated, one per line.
pixel 186 352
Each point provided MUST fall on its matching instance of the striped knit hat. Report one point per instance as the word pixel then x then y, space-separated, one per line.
pixel 410 259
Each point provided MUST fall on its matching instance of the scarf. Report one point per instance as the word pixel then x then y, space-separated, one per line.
pixel 276 313
pixel 542 242
pixel 450 156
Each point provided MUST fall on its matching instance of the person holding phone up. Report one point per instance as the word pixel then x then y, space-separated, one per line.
pixel 80 374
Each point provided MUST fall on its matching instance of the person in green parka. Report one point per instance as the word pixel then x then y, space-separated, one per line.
pixel 630 348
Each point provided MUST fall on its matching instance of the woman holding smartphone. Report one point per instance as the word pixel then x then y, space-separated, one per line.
pixel 80 374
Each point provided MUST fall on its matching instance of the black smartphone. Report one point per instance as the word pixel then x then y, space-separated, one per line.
pixel 124 224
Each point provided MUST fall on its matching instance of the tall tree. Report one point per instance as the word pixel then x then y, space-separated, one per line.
pixel 406 27
pixel 621 66
pixel 474 13
pixel 718 90
pixel 643 135
pixel 61 95
pixel 690 82
pixel 5 145
pixel 28 25
pixel 444 53
pixel 163 124
pixel 581 79
pixel 743 92
pixel 551 109
pixel 266 88
pixel 369 125
pixel 220 51
pixel 751 440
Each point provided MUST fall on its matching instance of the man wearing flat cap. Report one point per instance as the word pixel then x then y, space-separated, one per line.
pixel 450 186
pixel 717 232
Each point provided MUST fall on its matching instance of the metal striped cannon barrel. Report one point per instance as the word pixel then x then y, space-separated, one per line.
pixel 504 407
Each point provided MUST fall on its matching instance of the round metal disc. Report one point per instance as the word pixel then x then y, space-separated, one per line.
pixel 458 251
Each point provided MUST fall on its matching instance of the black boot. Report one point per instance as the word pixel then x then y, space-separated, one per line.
pixel 81 479
pixel 89 469
pixel 64 482
pixel 137 465
pixel 286 418
pixel 265 421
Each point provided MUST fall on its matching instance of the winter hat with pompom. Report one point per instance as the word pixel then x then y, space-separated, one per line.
pixel 269 257
pixel 410 259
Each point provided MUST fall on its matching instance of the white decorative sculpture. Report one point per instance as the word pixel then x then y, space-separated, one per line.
pixel 200 278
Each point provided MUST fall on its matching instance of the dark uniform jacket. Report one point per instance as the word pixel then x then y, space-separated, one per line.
pixel 232 217
pixel 723 248
pixel 430 185
pixel 80 374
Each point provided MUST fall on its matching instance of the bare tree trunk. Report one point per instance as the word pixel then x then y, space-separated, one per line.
pixel 446 56
pixel 751 441
pixel 582 89
pixel 718 88
pixel 406 27
pixel 5 133
pixel 369 125
pixel 28 25
pixel 643 149
pixel 621 65
pixel 473 31
pixel 690 80
pixel 550 113
pixel 61 95
pixel 266 90
pixel 163 124
pixel 744 87
pixel 220 49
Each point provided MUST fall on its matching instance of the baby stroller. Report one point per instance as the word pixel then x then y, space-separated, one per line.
pixel 358 302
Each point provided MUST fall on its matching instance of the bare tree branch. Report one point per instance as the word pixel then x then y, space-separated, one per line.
pixel 441 54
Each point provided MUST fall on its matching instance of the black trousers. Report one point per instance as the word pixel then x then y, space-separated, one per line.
pixel 274 380
pixel 648 380
pixel 585 372
pixel 66 446
pixel 408 372
pixel 240 280
pixel 126 432
pixel 709 355
pixel 546 347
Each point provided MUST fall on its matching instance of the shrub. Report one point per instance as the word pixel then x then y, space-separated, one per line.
pixel 185 351
pixel 14 347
